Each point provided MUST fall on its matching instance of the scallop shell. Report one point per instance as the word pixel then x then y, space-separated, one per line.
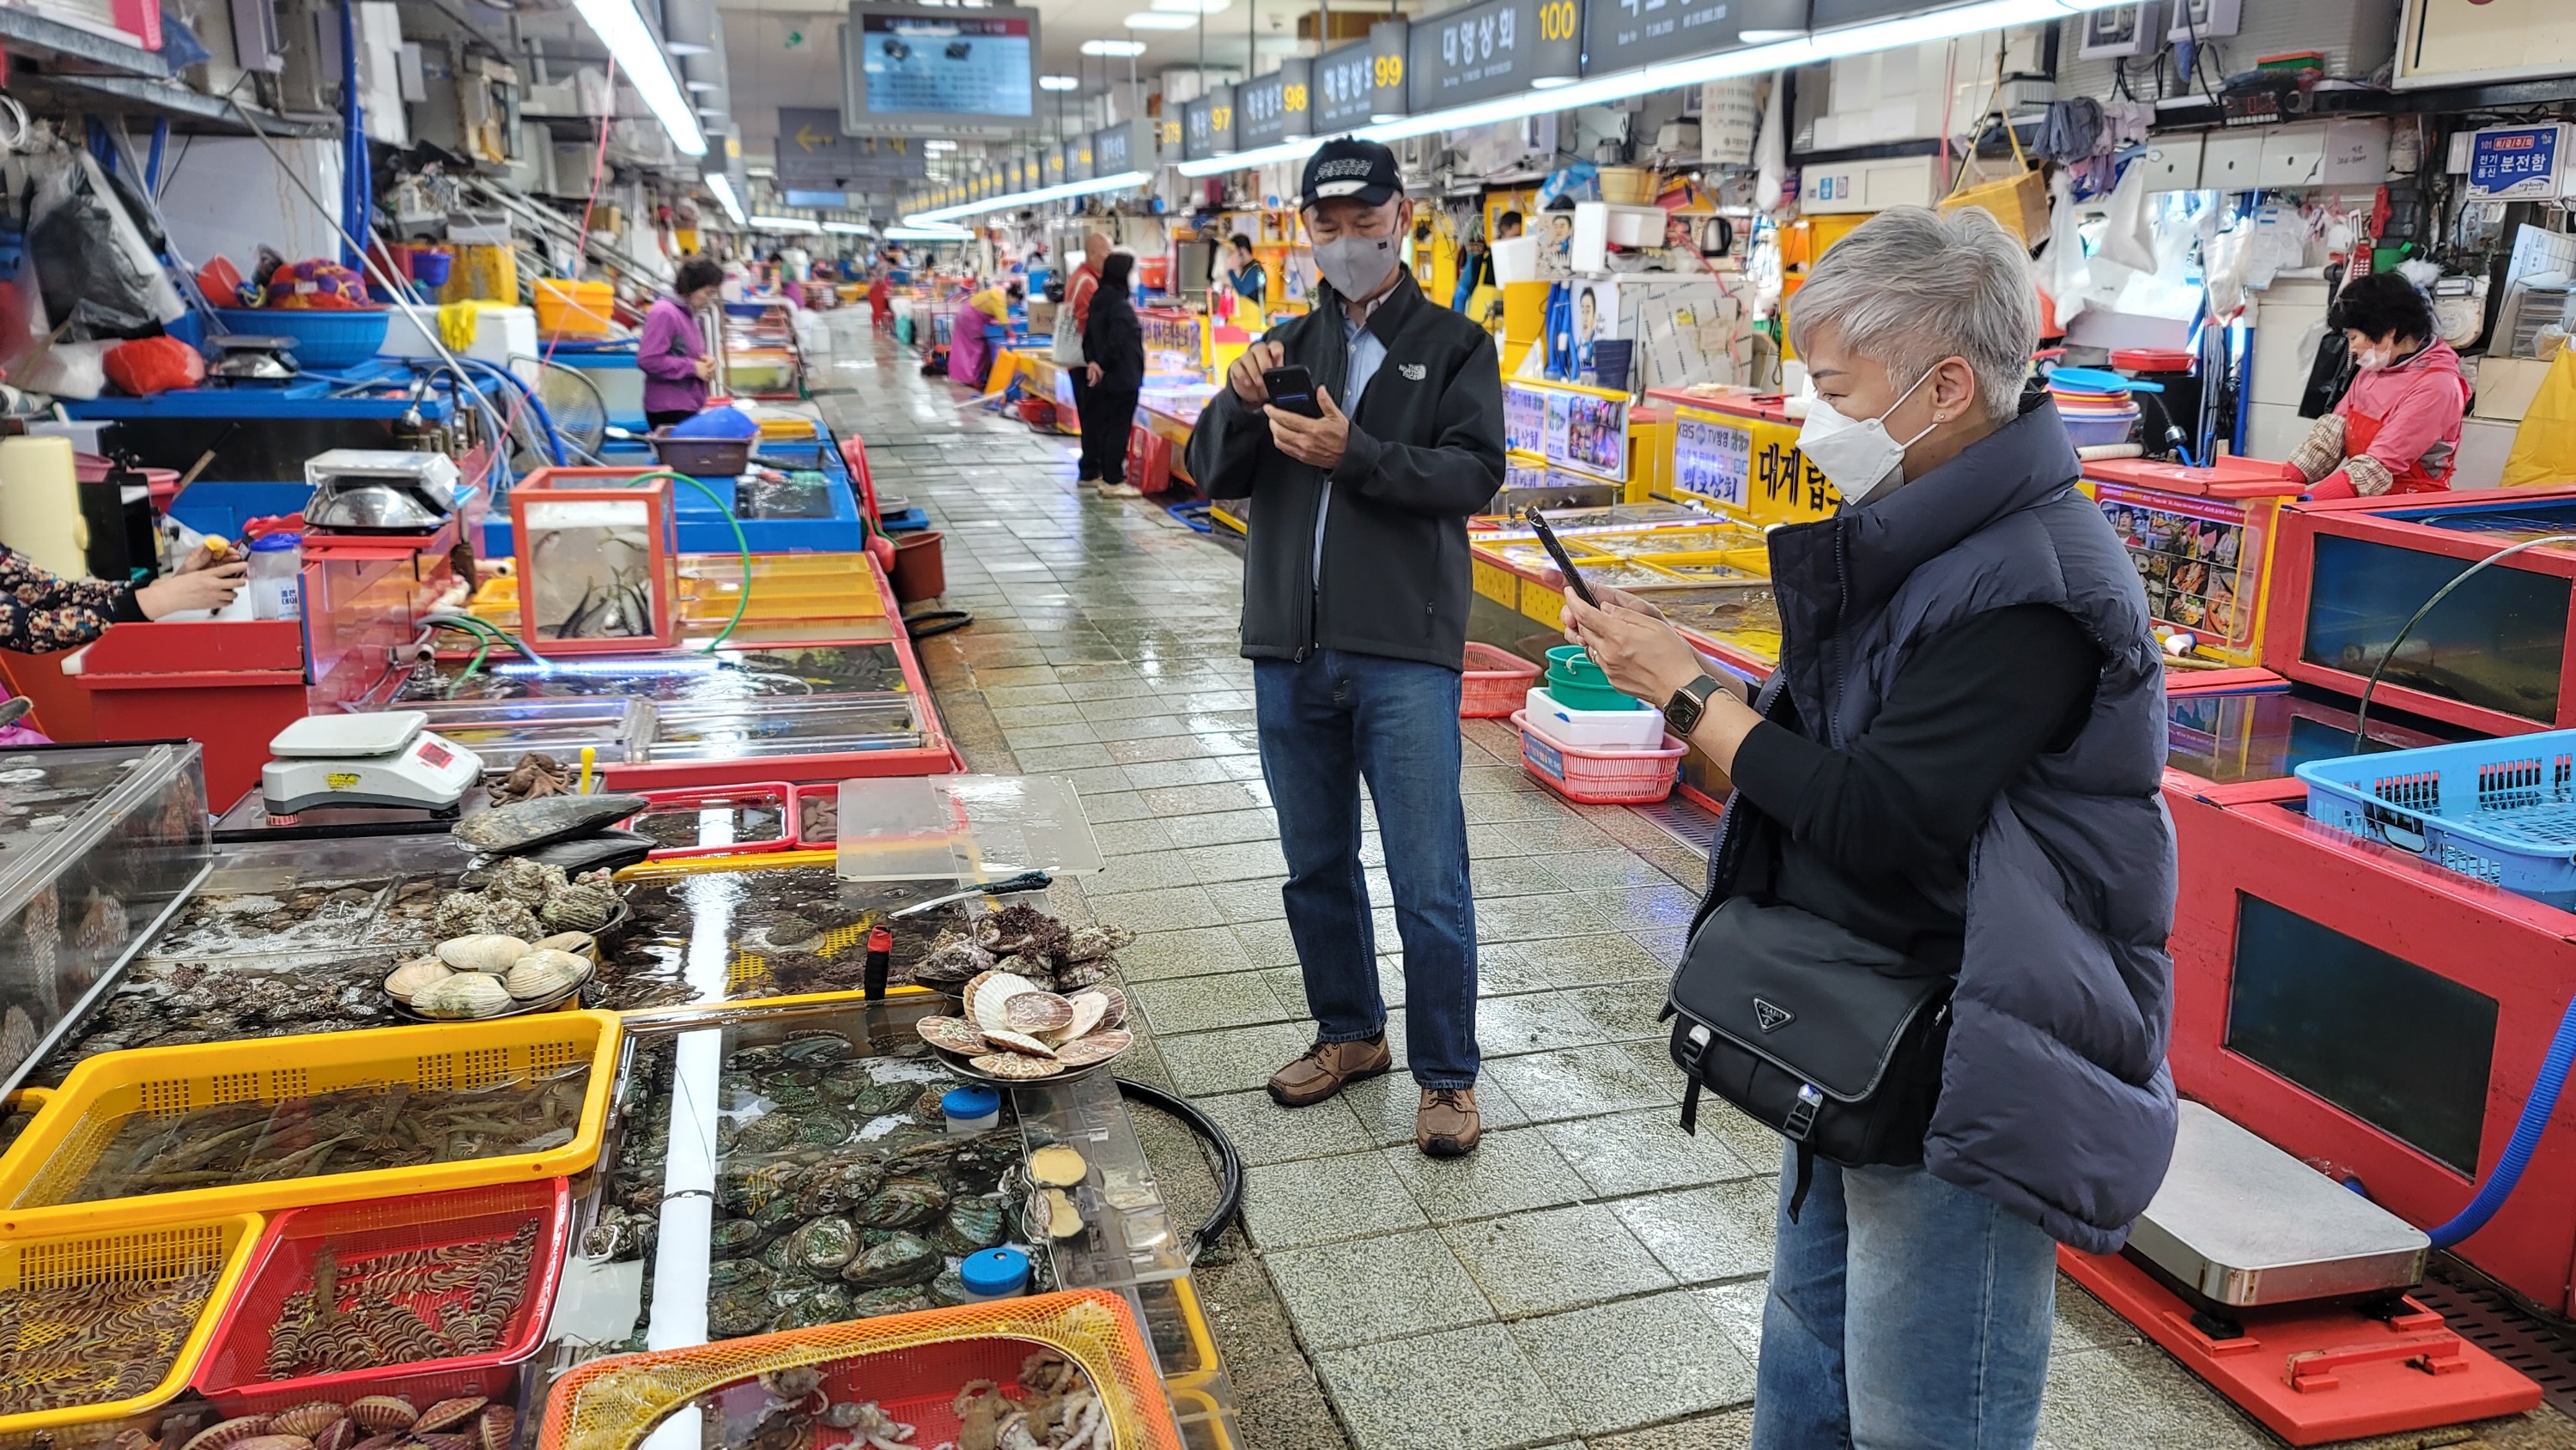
pixel 1114 1014
pixel 1012 1064
pixel 1017 1042
pixel 308 1420
pixel 340 1434
pixel 448 1414
pixel 273 1442
pixel 465 995
pixel 1100 1046
pixel 225 1433
pixel 985 1007
pixel 496 1428
pixel 1088 1010
pixel 954 1033
pixel 409 978
pixel 545 973
pixel 1037 1013
pixel 382 1413
pixel 487 952
pixel 579 943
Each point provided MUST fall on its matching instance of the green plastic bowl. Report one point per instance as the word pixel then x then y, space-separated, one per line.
pixel 1590 697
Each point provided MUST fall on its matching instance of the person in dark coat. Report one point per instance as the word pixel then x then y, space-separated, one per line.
pixel 1113 344
pixel 1958 760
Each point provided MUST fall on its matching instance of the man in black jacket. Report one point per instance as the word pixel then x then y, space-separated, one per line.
pixel 1355 593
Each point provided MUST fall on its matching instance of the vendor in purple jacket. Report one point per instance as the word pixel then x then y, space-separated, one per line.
pixel 674 353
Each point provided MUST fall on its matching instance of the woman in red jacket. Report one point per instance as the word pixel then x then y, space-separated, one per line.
pixel 2397 429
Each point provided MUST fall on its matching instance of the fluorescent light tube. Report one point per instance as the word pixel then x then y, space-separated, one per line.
pixel 1113 47
pixel 1297 150
pixel 1059 83
pixel 785 224
pixel 722 186
pixel 1160 20
pixel 641 59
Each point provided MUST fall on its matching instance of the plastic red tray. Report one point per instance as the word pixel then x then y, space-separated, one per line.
pixel 798 795
pixel 284 1263
pixel 771 792
pixel 1496 683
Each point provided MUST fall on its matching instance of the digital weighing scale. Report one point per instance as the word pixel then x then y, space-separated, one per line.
pixel 375 760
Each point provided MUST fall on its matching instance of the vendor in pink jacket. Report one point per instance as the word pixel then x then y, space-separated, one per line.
pixel 673 352
pixel 2397 429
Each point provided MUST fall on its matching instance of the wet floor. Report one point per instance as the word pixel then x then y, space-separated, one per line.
pixel 1591 1276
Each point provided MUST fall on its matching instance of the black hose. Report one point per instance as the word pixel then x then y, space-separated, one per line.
pixel 1229 1164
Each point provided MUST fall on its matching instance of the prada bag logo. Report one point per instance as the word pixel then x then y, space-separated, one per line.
pixel 1771 1016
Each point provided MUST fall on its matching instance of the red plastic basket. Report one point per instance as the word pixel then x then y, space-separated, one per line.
pixel 1037 413
pixel 1496 683
pixel 1598 777
pixel 284 1263
pixel 829 793
pixel 1149 460
pixel 774 794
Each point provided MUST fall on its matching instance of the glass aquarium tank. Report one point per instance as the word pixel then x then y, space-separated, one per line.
pixel 596 559
pixel 99 845
pixel 689 677
pixel 2498 642
pixel 2225 736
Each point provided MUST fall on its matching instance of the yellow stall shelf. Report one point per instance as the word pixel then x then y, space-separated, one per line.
pixel 1736 452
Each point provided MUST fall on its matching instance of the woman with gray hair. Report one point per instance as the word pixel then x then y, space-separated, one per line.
pixel 1946 796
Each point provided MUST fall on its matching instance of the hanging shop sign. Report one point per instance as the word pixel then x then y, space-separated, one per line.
pixel 1341 87
pixel 1276 107
pixel 1077 159
pixel 1624 34
pixel 1492 48
pixel 1390 90
pixel 2521 163
pixel 1168 129
pixel 1207 125
pixel 1826 14
pixel 813 155
pixel 1117 150
pixel 910 70
pixel 1052 158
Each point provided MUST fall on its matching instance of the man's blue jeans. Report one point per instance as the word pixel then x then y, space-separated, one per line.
pixel 1905 1314
pixel 1327 723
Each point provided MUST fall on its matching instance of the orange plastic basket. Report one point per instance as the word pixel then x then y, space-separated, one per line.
pixel 912 1365
pixel 220 1244
pixel 45 1168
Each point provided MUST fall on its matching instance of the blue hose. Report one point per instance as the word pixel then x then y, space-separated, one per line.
pixel 2536 1111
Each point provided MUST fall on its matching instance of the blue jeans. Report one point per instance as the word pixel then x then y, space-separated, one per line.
pixel 1905 1314
pixel 1327 723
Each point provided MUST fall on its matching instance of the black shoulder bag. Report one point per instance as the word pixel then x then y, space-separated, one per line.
pixel 1829 1038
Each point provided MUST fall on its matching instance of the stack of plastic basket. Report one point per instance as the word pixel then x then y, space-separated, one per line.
pixel 1590 743
pixel 2096 405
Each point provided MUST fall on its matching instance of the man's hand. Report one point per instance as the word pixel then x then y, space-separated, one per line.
pixel 1318 441
pixel 1644 656
pixel 1245 374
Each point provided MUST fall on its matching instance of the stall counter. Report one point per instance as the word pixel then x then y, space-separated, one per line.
pixel 2202 542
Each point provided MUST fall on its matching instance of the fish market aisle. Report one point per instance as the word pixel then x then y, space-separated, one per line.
pixel 1589 1275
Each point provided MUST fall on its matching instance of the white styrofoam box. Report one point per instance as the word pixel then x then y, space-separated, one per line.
pixel 2506 386
pixel 2292 155
pixel 2484 445
pixel 1854 186
pixel 1590 251
pixel 2356 151
pixel 2173 162
pixel 1637 226
pixel 2104 327
pixel 2229 161
pixel 2289 321
pixel 1595 729
pixel 1515 260
pixel 500 334
pixel 2273 429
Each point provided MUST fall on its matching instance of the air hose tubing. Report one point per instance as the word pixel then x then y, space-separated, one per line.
pixel 2536 1111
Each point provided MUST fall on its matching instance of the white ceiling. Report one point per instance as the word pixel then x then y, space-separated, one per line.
pixel 768 71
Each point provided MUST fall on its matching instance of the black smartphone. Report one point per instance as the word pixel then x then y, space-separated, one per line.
pixel 1292 389
pixel 1564 562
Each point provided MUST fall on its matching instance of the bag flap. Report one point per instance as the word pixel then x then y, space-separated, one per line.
pixel 1814 999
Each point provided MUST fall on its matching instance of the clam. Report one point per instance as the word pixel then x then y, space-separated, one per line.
pixel 579 943
pixel 1100 1046
pixel 409 978
pixel 542 974
pixel 482 952
pixel 1037 1013
pixel 464 995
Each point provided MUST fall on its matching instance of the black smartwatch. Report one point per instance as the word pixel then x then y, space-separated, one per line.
pixel 1688 703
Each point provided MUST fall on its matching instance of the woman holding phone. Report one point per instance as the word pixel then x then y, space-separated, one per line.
pixel 1113 341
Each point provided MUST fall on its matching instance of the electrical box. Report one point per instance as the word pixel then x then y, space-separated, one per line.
pixel 2198 20
pixel 1867 186
pixel 2292 156
pixel 2231 161
pixel 2172 162
pixel 2120 30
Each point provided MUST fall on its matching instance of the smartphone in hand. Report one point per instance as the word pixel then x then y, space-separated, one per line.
pixel 1564 562
pixel 1292 390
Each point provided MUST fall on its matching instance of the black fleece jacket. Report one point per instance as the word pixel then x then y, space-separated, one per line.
pixel 1425 452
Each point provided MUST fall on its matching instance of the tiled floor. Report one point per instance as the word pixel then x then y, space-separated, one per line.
pixel 1592 1275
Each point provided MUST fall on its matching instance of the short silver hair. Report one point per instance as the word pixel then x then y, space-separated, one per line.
pixel 1912 286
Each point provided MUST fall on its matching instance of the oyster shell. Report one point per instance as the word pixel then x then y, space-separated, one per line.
pixel 954 1033
pixel 1091 943
pixel 525 881
pixel 1036 1013
pixel 484 952
pixel 409 978
pixel 545 973
pixel 464 995
pixel 1078 975
pixel 579 908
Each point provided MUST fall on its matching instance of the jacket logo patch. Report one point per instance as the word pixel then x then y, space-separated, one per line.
pixel 1413 372
pixel 1771 1016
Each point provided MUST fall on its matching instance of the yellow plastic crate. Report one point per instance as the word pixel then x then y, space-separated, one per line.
pixel 49 1161
pixel 221 1244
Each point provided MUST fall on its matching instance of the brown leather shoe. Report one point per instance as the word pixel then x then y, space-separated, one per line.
pixel 1446 1125
pixel 1327 1068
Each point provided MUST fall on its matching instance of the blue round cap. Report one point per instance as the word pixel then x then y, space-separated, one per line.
pixel 990 1273
pixel 276 543
pixel 971 1102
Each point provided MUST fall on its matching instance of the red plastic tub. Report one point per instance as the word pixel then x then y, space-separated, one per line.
pixel 1599 777
pixel 286 1259
pixel 823 832
pixel 773 794
pixel 1496 683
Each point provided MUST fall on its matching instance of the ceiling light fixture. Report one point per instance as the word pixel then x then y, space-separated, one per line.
pixel 1113 47
pixel 642 60
pixel 1160 20
pixel 1059 83
pixel 1297 150
pixel 1061 191
pixel 1190 7
pixel 850 229
pixel 796 225
pixel 722 186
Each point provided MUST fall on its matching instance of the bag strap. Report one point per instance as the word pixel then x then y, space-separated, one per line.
pixel 1806 1180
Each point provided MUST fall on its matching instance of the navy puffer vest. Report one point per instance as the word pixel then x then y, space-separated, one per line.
pixel 2055 1099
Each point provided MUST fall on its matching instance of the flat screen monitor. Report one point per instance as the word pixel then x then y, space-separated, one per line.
pixel 914 70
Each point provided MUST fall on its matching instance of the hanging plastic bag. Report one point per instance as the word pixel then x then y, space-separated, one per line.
pixel 2065 273
pixel 155 365
pixel 94 269
pixel 2130 239
pixel 2544 447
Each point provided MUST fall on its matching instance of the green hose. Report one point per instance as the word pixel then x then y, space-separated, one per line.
pixel 740 542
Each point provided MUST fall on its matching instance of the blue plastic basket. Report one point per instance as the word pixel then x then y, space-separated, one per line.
pixel 2503 811
pixel 322 339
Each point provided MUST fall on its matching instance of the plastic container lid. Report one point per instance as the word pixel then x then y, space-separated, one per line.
pixel 276 543
pixel 971 1102
pixel 2152 360
pixel 993 1273
pixel 2095 380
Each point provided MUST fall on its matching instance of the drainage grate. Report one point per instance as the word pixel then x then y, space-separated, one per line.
pixel 2487 1318
pixel 1683 821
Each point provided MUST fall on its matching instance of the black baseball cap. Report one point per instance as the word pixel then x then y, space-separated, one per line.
pixel 1347 166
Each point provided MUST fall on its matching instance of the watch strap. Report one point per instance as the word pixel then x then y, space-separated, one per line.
pixel 1689 703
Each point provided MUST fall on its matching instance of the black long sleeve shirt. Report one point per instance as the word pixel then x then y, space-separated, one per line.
pixel 1875 836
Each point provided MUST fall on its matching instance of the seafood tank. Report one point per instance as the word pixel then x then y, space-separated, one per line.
pixel 594 564
pixel 99 844
pixel 725 675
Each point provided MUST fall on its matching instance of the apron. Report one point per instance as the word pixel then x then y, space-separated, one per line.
pixel 2360 428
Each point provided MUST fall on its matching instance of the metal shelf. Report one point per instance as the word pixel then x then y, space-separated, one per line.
pixel 30 35
pixel 189 110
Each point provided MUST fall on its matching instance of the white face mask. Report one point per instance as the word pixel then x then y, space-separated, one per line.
pixel 1857 456
pixel 1356 266
pixel 2371 360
